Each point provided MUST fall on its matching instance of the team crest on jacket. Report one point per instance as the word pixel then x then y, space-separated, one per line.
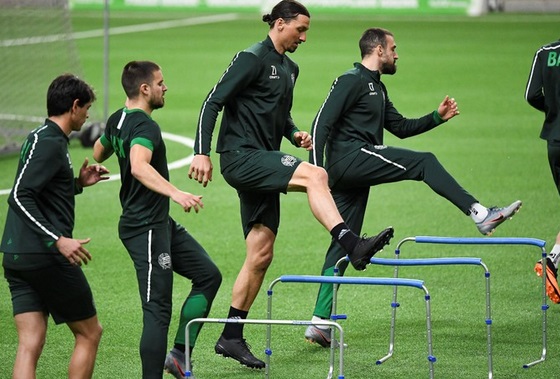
pixel 164 261
pixel 288 160
pixel 372 90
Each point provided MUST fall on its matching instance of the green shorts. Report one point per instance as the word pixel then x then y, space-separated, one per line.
pixel 60 290
pixel 259 177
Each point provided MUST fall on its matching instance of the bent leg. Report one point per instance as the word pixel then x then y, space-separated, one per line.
pixel 32 329
pixel 314 181
pixel 87 334
pixel 191 261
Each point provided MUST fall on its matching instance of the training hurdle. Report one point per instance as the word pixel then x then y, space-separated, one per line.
pixel 268 350
pixel 437 262
pixel 338 280
pixel 489 241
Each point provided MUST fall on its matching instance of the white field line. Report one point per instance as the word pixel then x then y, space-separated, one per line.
pixel 121 30
pixel 186 141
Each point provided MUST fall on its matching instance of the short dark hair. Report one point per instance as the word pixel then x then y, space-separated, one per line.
pixel 64 90
pixel 372 38
pixel 136 73
pixel 287 10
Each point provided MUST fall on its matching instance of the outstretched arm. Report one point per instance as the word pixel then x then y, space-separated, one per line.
pixel 143 171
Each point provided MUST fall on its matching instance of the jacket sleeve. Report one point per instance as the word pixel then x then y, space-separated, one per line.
pixel 534 90
pixel 290 127
pixel 343 93
pixel 403 127
pixel 35 175
pixel 241 71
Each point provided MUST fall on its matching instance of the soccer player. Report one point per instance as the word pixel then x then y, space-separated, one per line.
pixel 256 93
pixel 41 257
pixel 348 130
pixel 157 244
pixel 543 94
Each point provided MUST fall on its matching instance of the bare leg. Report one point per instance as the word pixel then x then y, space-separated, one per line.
pixel 260 243
pixel 88 335
pixel 32 331
pixel 314 181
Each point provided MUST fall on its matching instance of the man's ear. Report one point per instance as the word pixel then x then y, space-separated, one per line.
pixel 280 22
pixel 75 105
pixel 144 88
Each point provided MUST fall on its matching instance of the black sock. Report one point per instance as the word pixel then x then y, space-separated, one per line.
pixel 345 237
pixel 234 330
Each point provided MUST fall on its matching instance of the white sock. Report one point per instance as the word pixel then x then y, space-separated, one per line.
pixel 555 254
pixel 478 212
pixel 315 318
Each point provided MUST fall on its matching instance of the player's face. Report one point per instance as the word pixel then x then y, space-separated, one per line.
pixel 294 32
pixel 80 115
pixel 157 91
pixel 389 57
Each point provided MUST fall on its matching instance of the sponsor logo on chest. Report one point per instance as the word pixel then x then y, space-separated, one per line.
pixel 372 91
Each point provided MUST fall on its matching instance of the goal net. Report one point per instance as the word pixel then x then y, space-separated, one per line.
pixel 36 45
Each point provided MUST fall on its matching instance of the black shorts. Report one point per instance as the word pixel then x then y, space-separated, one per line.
pixel 259 177
pixel 60 290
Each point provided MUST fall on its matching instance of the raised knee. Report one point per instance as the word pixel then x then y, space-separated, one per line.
pixel 318 176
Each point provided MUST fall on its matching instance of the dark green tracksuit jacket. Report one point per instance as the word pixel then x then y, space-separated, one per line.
pixel 543 88
pixel 354 115
pixel 41 203
pixel 256 93
pixel 543 93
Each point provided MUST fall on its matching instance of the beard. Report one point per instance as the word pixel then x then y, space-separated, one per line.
pixel 157 103
pixel 388 68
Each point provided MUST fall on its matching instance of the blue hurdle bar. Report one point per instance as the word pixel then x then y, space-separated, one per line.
pixel 494 241
pixel 268 350
pixel 336 281
pixel 437 262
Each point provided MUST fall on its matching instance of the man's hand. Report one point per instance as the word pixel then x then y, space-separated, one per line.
pixel 303 139
pixel 188 201
pixel 448 109
pixel 89 175
pixel 74 250
pixel 201 169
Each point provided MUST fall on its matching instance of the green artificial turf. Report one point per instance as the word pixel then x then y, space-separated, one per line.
pixel 493 149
